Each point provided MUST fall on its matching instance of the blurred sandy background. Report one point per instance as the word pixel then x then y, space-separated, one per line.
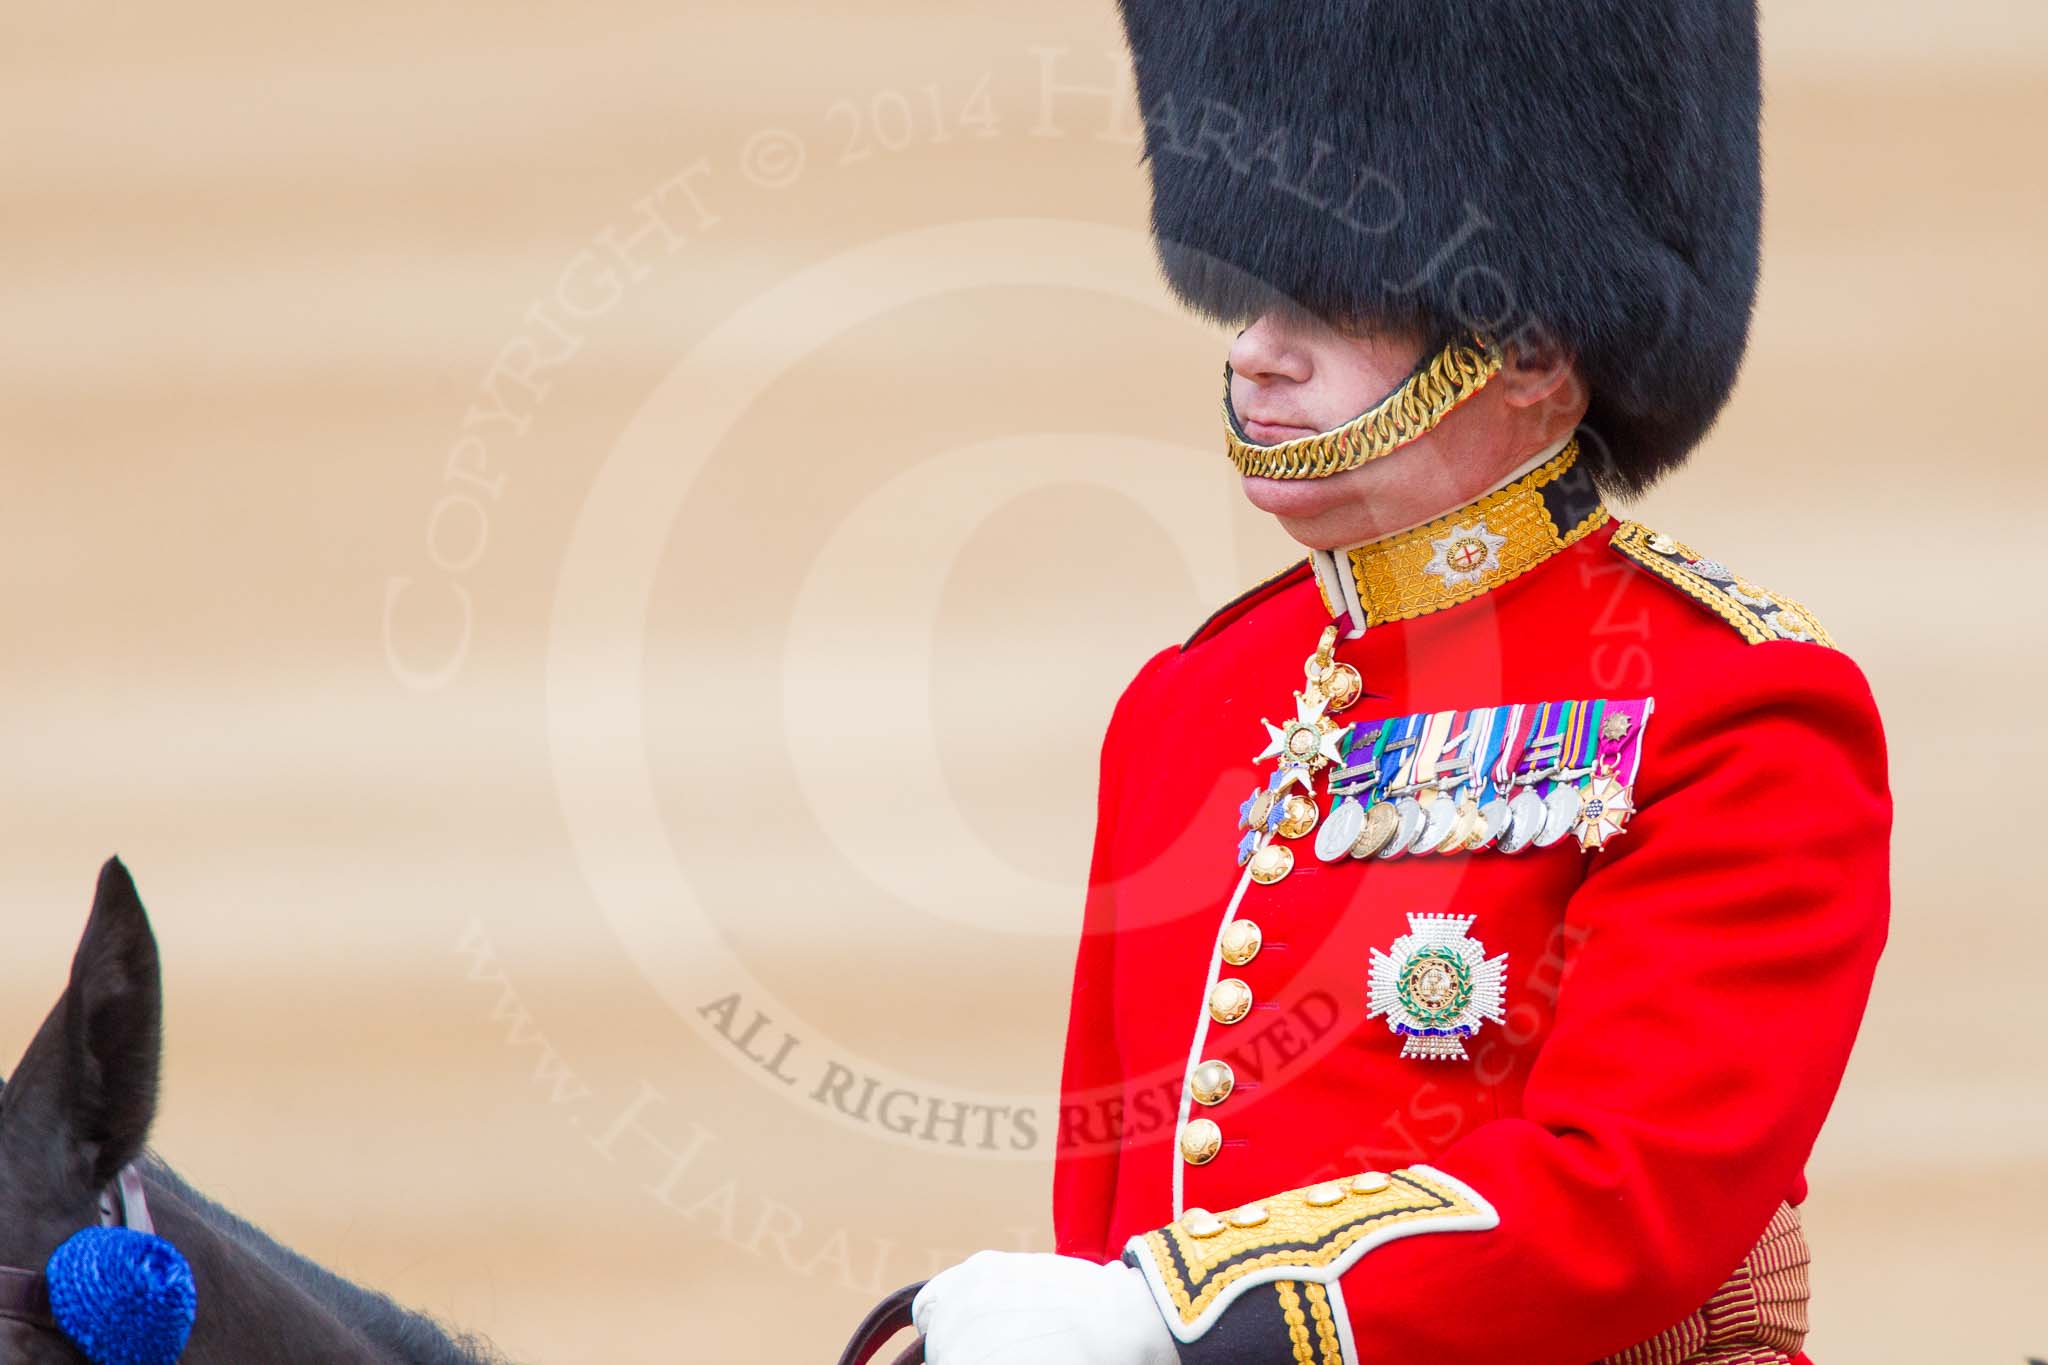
pixel 496 630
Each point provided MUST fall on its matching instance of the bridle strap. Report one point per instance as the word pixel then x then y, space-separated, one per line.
pixel 134 1210
pixel 25 1297
pixel 25 1294
pixel 889 1317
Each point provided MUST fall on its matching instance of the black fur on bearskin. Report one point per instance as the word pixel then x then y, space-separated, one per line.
pixel 1585 171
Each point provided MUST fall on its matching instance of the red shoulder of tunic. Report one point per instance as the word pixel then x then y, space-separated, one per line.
pixel 1251 597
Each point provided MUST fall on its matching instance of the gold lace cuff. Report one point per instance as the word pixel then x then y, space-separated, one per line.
pixel 1200 1264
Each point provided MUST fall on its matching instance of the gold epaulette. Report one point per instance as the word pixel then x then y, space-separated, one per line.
pixel 1758 614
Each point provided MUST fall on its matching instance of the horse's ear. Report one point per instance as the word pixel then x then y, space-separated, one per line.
pixel 112 1024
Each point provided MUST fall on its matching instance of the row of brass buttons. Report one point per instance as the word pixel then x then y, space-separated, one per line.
pixel 1211 1082
pixel 1202 1223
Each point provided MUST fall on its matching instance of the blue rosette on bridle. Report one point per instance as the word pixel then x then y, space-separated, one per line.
pixel 123 1297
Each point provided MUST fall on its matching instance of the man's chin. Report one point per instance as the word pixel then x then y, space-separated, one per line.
pixel 1402 489
pixel 1293 497
pixel 1319 513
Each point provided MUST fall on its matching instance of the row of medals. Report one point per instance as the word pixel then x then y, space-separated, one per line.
pixel 1419 818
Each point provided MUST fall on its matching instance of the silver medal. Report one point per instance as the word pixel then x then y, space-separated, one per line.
pixel 1409 812
pixel 1436 824
pixel 1560 813
pixel 1338 833
pixel 1525 821
pixel 1495 815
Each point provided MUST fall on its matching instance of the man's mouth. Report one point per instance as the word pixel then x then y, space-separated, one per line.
pixel 1273 433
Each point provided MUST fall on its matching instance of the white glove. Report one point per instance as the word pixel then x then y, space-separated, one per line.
pixel 1029 1308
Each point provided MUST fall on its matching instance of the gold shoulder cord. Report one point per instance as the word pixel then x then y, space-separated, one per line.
pixel 1425 398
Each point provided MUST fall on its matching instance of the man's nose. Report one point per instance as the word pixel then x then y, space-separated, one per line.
pixel 1269 349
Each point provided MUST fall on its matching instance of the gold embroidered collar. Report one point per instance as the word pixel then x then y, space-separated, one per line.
pixel 1492 540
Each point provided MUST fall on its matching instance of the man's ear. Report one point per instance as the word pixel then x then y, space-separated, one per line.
pixel 111 1022
pixel 1537 371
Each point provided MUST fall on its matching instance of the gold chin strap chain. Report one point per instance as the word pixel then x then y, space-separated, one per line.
pixel 1425 398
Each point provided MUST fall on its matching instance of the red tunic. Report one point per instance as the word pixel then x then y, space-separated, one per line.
pixel 1679 1005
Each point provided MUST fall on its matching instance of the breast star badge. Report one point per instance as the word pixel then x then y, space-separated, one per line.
pixel 1436 987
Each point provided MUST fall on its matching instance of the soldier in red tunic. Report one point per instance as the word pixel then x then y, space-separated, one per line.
pixel 1483 909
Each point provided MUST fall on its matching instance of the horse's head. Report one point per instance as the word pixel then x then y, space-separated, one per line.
pixel 78 1107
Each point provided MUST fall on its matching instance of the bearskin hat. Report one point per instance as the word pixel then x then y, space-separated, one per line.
pixel 1585 171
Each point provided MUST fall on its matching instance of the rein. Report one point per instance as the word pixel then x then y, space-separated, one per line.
pixel 890 1316
pixel 25 1294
